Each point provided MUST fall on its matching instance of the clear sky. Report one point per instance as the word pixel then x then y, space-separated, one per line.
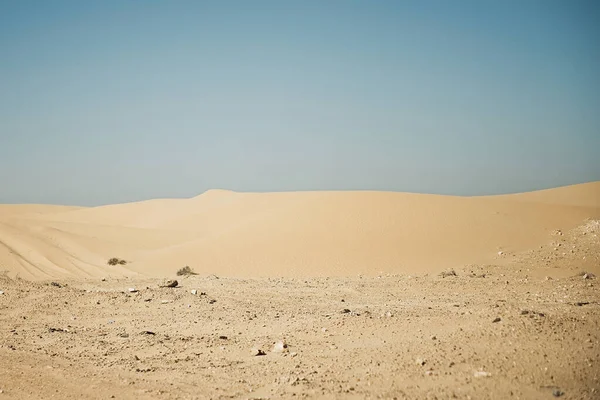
pixel 115 101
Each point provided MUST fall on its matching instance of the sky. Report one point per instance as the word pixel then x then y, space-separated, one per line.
pixel 117 101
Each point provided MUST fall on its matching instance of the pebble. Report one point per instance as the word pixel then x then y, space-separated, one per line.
pixel 557 393
pixel 497 319
pixel 279 347
pixel 255 351
pixel 166 301
pixel 481 374
pixel 433 337
pixel 171 283
pixel 132 290
pixel 194 291
pixel 420 361
pixel 1 292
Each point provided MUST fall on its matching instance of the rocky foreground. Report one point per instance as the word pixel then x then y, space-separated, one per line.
pixel 527 328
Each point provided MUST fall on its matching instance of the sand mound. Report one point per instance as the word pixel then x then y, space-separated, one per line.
pixel 9 210
pixel 286 234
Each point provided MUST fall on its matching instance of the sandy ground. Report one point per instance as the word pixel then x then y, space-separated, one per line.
pixel 517 319
pixel 300 234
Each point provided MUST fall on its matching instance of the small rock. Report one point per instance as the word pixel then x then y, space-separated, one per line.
pixel 588 276
pixel 166 301
pixel 194 291
pixel 346 311
pixel 147 333
pixel 1 292
pixel 497 319
pixel 293 354
pixel 557 393
pixel 223 337
pixel 257 352
pixel 433 337
pixel 481 374
pixel 171 283
pixel 279 347
pixel 103 279
pixel 212 301
pixel 420 361
pixel 500 253
pixel 132 290
pixel 429 372
pixel 55 284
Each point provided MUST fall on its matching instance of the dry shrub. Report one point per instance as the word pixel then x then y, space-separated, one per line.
pixel 186 271
pixel 450 272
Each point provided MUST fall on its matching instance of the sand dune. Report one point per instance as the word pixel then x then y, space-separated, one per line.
pixel 8 210
pixel 285 234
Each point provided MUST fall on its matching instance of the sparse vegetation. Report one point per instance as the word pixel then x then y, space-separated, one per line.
pixel 186 271
pixel 449 272
pixel 116 261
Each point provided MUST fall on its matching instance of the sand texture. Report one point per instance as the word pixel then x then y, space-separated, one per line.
pixel 349 295
pixel 285 234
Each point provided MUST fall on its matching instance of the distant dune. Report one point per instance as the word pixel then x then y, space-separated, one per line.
pixel 285 234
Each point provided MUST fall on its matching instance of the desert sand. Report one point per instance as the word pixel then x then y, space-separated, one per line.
pixel 355 285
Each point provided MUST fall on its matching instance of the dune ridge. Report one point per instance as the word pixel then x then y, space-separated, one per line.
pixel 285 234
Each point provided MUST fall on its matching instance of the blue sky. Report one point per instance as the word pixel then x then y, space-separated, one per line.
pixel 116 101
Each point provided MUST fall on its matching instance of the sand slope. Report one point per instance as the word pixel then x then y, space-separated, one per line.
pixel 286 234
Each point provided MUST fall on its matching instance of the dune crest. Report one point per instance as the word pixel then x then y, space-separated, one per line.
pixel 286 234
